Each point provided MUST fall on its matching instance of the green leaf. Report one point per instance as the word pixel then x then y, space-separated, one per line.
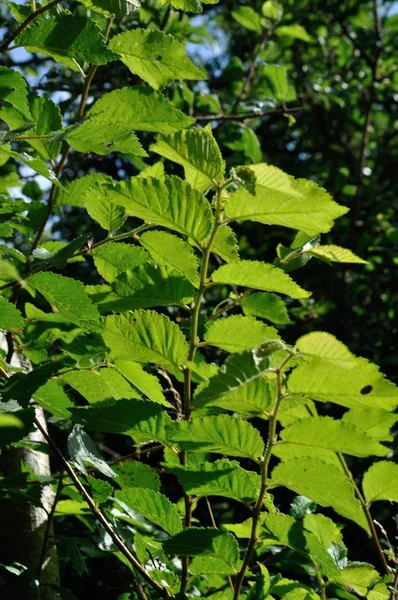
pixel 101 135
pixel 144 421
pixel 15 425
pixel 133 473
pixel 10 317
pixel 114 258
pixel 276 78
pixel 226 244
pixel 144 382
pixel 380 482
pixel 13 91
pixel 221 434
pixel 67 38
pixel 238 333
pixel 189 5
pixel 223 477
pixel 66 296
pixel 59 257
pixel 169 250
pixel 54 399
pixel 248 18
pixel 98 386
pixel 102 490
pixel 365 580
pixel 324 345
pixel 294 31
pixel 375 421
pixel 198 152
pixel 283 200
pixel 235 380
pixel 322 482
pixel 74 193
pixel 153 506
pixel 336 254
pixel 169 202
pixel 355 385
pixel 266 306
pixel 152 285
pixel 119 8
pixel 260 276
pixel 108 215
pixel 33 163
pixel 194 541
pixel 47 117
pixel 140 109
pixel 331 434
pixel 146 336
pixel 154 56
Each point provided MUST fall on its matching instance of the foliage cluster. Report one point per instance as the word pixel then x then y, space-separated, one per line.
pixel 152 322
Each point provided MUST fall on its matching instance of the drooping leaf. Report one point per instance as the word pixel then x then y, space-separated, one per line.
pixel 98 386
pixel 380 482
pixel 355 385
pixel 146 383
pixel 167 249
pixel 331 434
pixel 189 5
pixel 266 306
pixel 66 296
pixel 144 421
pixel 47 117
pixel 36 164
pixel 238 333
pixel 198 152
pixel 115 258
pixel 237 373
pixel 82 451
pixel 322 482
pixel 220 478
pixel 59 256
pixel 258 275
pixel 169 202
pixel 201 541
pixel 13 91
pixel 140 109
pixel 54 399
pixel 145 336
pixel 153 506
pixel 221 434
pixel 10 317
pixel 154 56
pixel 107 214
pixel 67 38
pixel 365 580
pixel 282 200
pixel 102 490
pixel 73 194
pixel 153 285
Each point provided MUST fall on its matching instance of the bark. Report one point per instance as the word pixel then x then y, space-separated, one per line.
pixel 23 525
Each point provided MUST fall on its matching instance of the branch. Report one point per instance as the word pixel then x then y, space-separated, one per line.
pixel 33 15
pixel 100 517
pixel 252 115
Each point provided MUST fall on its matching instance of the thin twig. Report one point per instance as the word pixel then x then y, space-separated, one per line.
pixel 366 511
pixel 213 522
pixel 252 115
pixel 100 517
pixel 33 15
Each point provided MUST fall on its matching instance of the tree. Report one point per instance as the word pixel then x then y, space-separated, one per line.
pixel 181 424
